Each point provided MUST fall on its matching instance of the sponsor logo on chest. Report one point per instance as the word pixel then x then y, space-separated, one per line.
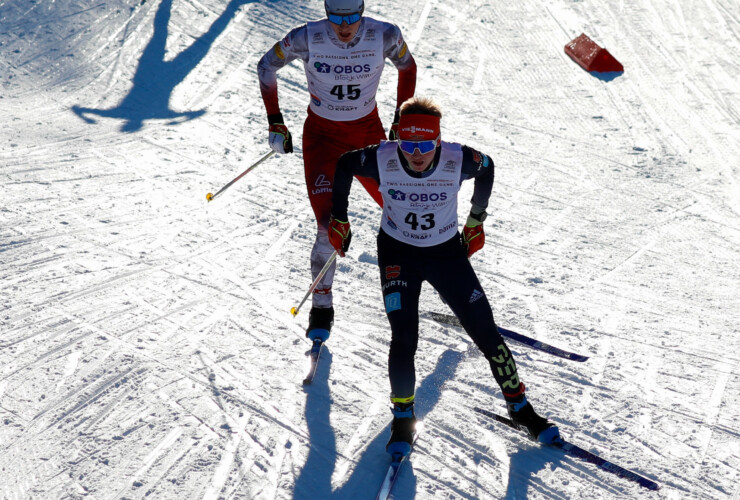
pixel 397 194
pixel 450 166
pixel 341 69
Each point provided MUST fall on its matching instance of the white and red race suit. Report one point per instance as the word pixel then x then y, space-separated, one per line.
pixel 343 80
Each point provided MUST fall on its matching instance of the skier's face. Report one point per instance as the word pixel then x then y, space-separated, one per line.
pixel 345 32
pixel 418 161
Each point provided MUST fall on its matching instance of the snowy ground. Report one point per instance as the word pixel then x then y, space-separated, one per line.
pixel 146 344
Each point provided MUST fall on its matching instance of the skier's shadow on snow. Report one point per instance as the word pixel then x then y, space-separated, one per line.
pixel 523 466
pixel 315 479
pixel 369 471
pixel 155 78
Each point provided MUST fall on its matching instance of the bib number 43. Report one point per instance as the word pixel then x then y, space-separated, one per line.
pixel 413 220
pixel 351 92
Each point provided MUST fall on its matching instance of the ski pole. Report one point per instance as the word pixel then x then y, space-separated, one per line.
pixel 211 196
pixel 294 310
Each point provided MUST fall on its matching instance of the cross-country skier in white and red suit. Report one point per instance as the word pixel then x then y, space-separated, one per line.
pixel 343 56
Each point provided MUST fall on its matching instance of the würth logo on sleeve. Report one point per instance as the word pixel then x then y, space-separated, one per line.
pixel 392 272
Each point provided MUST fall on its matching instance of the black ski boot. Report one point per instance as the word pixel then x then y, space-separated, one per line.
pixel 403 429
pixel 320 321
pixel 524 416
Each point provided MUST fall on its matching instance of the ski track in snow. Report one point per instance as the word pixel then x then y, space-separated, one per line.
pixel 146 344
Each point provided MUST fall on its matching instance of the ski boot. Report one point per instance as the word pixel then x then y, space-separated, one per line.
pixel 525 418
pixel 403 429
pixel 320 321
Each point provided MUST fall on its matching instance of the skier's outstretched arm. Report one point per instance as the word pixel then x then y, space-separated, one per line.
pixel 293 46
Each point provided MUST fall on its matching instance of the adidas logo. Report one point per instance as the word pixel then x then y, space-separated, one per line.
pixel 477 294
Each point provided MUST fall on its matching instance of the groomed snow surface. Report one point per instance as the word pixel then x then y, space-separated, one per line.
pixel 146 343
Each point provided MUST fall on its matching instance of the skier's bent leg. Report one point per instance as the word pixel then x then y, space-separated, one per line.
pixel 320 254
pixel 463 293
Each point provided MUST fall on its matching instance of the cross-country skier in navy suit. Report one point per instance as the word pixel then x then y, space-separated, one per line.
pixel 419 177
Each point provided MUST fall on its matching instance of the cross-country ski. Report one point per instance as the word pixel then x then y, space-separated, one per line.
pixel 313 356
pixel 394 469
pixel 578 452
pixel 516 337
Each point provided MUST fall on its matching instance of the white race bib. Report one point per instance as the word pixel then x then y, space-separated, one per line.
pixel 421 212
pixel 343 81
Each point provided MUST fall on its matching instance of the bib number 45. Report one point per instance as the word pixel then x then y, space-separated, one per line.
pixel 413 220
pixel 351 92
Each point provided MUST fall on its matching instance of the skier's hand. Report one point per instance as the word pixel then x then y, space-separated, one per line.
pixel 473 237
pixel 340 235
pixel 393 132
pixel 280 139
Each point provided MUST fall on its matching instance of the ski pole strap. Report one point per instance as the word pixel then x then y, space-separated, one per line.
pixel 294 311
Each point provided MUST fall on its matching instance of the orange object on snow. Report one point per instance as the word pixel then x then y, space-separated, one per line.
pixel 590 56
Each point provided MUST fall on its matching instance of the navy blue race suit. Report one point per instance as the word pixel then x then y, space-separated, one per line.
pixel 403 268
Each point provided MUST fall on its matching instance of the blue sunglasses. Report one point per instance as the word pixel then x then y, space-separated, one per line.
pixel 423 146
pixel 350 19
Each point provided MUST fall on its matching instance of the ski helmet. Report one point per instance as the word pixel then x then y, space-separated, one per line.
pixel 344 7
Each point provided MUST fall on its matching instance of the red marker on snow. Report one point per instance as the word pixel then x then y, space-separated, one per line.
pixel 591 57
